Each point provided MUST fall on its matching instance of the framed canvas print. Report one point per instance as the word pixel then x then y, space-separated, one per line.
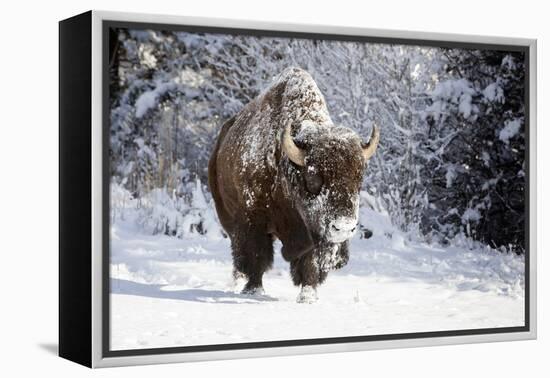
pixel 233 189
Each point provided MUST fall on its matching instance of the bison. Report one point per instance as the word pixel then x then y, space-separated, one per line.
pixel 281 169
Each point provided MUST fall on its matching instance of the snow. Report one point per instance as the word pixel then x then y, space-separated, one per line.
pixel 147 56
pixel 450 176
pixel 167 291
pixel 471 215
pixel 147 100
pixel 198 201
pixel 452 88
pixel 490 183
pixel 455 91
pixel 494 93
pixel 486 158
pixel 509 62
pixel 511 129
pixel 465 106
pixel 191 78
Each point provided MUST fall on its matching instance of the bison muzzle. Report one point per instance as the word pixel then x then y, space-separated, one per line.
pixel 282 169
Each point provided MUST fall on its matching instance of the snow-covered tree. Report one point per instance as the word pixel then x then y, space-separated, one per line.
pixel 479 179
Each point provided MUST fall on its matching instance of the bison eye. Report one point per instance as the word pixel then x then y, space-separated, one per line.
pixel 313 183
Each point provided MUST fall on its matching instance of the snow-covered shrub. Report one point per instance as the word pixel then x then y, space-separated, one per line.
pixel 162 213
pixel 180 216
pixel 201 217
pixel 121 201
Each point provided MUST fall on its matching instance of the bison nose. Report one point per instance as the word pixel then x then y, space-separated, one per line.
pixel 342 229
pixel 339 229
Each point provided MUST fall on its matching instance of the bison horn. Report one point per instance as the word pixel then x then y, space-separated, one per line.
pixel 294 153
pixel 370 147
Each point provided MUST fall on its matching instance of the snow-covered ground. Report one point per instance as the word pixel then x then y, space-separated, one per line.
pixel 167 291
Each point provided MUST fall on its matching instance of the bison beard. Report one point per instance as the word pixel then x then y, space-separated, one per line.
pixel 282 169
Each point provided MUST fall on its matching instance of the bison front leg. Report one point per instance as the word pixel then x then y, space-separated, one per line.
pixel 252 249
pixel 306 273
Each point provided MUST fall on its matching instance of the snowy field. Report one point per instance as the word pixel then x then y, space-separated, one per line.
pixel 167 291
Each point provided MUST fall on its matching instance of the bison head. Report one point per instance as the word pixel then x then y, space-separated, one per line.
pixel 325 177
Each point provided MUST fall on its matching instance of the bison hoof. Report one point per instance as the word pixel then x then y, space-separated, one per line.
pixel 253 290
pixel 308 294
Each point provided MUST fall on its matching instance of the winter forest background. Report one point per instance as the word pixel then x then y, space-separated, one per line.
pixel 451 160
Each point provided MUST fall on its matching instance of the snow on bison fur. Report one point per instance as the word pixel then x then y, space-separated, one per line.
pixel 282 169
